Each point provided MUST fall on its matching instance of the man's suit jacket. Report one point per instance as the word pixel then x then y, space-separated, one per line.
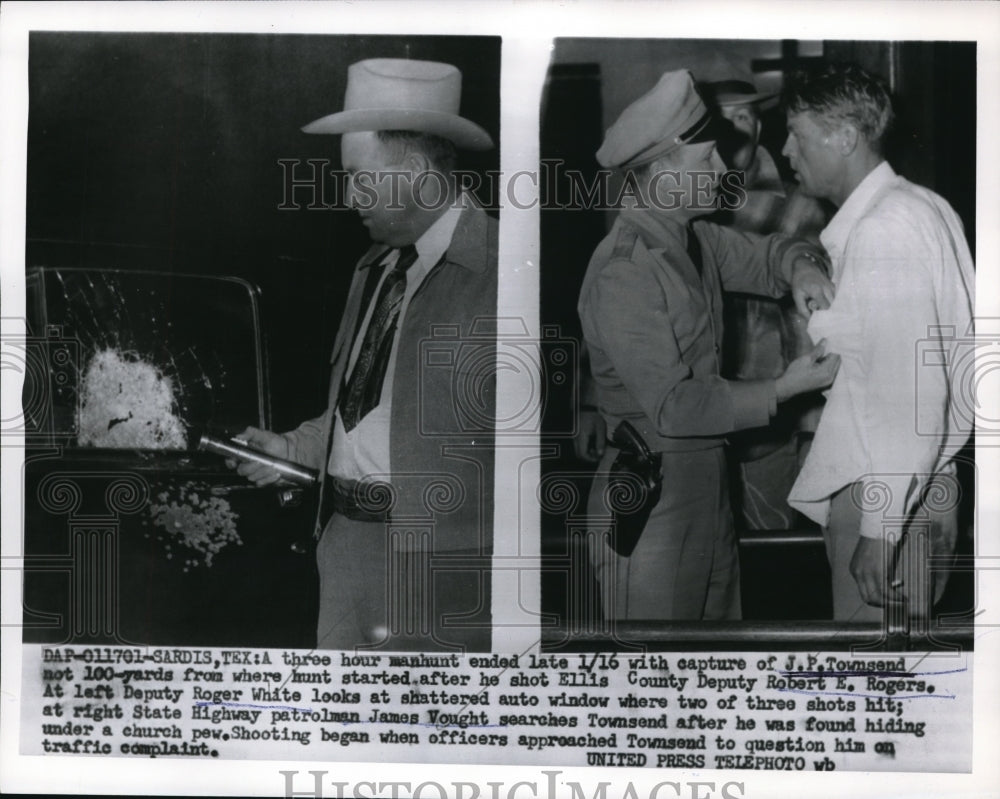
pixel 443 392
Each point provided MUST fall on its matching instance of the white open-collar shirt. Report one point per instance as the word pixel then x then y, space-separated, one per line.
pixel 901 322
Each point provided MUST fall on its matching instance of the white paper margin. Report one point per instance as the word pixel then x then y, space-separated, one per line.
pixel 527 29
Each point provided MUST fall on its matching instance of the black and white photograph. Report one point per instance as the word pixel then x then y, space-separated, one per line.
pixel 499 400
pixel 748 465
pixel 204 228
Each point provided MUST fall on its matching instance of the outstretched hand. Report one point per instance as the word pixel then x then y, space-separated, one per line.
pixel 258 473
pixel 810 372
pixel 812 290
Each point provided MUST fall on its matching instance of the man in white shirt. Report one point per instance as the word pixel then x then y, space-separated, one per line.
pixel 880 476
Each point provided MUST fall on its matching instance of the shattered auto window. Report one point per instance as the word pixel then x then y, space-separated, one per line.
pixel 159 357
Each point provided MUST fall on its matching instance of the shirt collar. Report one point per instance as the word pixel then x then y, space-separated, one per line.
pixel 658 230
pixel 435 240
pixel 834 235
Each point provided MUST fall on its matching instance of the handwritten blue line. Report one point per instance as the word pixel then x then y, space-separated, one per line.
pixel 862 673
pixel 865 696
pixel 432 724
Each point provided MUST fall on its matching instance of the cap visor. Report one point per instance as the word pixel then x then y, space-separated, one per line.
pixel 716 130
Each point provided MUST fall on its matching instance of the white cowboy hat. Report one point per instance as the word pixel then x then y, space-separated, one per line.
pixel 401 94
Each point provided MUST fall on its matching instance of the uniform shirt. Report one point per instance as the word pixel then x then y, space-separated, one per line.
pixel 653 327
pixel 904 303
pixel 763 337
pixel 364 451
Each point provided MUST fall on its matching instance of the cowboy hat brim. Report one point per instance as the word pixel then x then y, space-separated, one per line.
pixel 458 130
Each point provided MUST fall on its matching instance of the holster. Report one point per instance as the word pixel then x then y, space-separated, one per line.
pixel 634 488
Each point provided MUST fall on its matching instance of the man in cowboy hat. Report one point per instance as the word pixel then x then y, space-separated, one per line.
pixel 405 526
pixel 881 474
pixel 763 335
pixel 651 311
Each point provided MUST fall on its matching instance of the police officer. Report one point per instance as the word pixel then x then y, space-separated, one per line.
pixel 651 312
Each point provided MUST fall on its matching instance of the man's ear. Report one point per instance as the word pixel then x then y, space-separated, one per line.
pixel 665 163
pixel 429 187
pixel 848 137
pixel 416 162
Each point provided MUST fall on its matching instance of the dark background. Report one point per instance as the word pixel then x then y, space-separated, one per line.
pixel 161 151
pixel 590 82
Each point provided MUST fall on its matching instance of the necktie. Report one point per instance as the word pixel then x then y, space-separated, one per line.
pixel 364 388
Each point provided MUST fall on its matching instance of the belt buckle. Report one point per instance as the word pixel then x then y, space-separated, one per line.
pixel 345 496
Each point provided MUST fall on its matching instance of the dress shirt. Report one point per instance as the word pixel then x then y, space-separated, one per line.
pixel 905 285
pixel 364 450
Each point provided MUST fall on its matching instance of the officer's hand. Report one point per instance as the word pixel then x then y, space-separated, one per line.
pixel 266 441
pixel 810 372
pixel 588 443
pixel 870 567
pixel 812 290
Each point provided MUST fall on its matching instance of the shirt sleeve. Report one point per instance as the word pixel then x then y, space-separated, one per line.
pixel 633 318
pixel 307 442
pixel 905 409
pixel 755 264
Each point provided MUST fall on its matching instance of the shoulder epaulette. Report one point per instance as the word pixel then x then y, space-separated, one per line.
pixel 625 242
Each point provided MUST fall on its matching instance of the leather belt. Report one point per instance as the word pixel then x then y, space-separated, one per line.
pixel 341 496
